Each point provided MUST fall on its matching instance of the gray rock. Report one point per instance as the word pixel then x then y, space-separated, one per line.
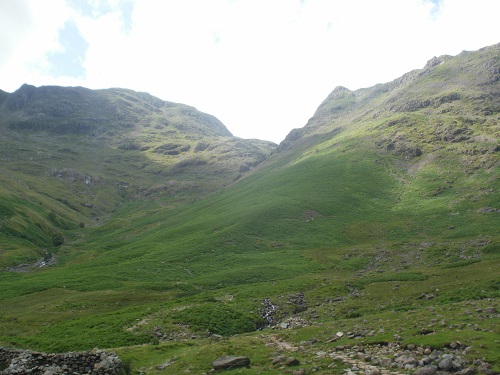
pixel 400 358
pixel 53 370
pixel 385 362
pixel 228 362
pixel 300 371
pixel 410 361
pixel 292 361
pixel 468 371
pixel 467 349
pixel 426 331
pixel 279 360
pixel 425 361
pixel 164 365
pixel 484 368
pixel 446 364
pixel 491 309
pixel 425 371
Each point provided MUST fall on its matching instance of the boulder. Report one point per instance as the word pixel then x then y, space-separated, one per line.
pixel 410 361
pixel 446 364
pixel 426 331
pixel 292 361
pixel 228 362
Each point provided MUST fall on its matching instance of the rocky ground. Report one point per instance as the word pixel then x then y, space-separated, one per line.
pixel 352 357
pixel 380 359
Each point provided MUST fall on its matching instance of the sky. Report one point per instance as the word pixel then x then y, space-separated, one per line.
pixel 261 66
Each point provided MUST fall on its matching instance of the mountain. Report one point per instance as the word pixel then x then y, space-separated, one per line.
pixel 73 155
pixel 369 236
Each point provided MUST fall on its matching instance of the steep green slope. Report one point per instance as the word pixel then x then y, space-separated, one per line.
pixel 437 132
pixel 378 218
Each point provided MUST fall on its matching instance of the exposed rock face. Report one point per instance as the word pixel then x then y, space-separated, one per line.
pixel 228 362
pixel 95 362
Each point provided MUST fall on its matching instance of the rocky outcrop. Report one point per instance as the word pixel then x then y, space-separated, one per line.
pixel 275 312
pixel 95 362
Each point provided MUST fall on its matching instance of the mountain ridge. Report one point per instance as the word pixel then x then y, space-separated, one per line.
pixel 342 98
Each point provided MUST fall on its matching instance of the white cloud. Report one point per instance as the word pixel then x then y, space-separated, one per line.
pixel 33 37
pixel 15 20
pixel 261 66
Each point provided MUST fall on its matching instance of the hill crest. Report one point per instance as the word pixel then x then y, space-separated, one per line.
pixel 50 108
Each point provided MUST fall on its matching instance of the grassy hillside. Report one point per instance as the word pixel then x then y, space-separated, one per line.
pixel 71 156
pixel 379 218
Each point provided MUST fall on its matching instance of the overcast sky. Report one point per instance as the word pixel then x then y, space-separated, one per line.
pixel 261 66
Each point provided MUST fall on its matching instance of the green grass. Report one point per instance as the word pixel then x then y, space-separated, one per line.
pixel 250 240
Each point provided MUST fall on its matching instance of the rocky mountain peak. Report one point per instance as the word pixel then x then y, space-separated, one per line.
pixel 436 61
pixel 20 97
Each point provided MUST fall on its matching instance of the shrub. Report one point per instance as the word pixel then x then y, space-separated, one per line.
pixel 216 318
pixel 57 239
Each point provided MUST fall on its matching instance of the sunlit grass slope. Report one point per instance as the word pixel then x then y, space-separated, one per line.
pixel 255 232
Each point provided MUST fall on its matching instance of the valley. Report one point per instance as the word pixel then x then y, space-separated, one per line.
pixel 144 227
